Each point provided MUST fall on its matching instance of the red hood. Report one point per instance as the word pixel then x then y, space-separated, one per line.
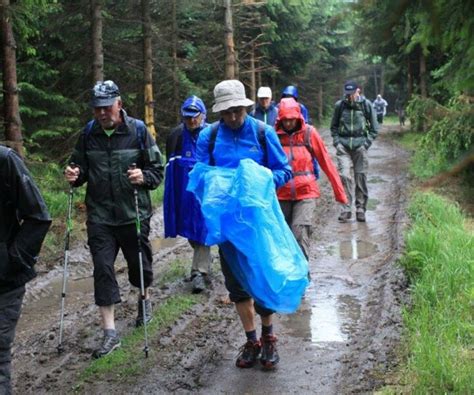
pixel 289 108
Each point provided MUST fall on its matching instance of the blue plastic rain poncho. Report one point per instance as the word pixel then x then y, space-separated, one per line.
pixel 243 215
pixel 181 210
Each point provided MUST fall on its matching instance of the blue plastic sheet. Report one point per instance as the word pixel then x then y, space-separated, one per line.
pixel 243 216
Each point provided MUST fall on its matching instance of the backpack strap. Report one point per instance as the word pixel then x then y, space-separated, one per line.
pixel 262 140
pixel 260 136
pixel 212 142
pixel 141 133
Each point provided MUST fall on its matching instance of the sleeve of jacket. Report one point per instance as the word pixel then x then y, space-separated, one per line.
pixel 153 169
pixel 202 146
pixel 373 125
pixel 335 123
pixel 277 160
pixel 326 163
pixel 31 210
pixel 79 158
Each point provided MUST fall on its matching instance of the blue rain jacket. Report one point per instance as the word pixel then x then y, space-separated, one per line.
pixel 182 212
pixel 231 146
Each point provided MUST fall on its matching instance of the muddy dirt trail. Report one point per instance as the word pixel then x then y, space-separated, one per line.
pixel 341 340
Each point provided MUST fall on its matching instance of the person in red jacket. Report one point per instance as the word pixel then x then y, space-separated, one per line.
pixel 301 143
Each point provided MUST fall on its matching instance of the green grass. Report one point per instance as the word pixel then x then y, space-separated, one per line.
pixel 176 269
pixel 128 360
pixel 439 263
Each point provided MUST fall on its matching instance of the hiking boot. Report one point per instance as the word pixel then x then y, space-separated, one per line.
pixel 248 354
pixel 198 283
pixel 360 216
pixel 148 313
pixel 109 344
pixel 344 216
pixel 269 357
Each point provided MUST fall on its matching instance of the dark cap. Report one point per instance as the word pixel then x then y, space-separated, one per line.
pixel 350 87
pixel 104 94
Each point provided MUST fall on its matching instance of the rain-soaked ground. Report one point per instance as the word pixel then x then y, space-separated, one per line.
pixel 341 340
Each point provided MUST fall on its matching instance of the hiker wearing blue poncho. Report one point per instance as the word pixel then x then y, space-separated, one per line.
pixel 234 138
pixel 182 212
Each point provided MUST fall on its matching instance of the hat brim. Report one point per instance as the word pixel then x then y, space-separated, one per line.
pixel 103 102
pixel 190 113
pixel 222 106
pixel 350 91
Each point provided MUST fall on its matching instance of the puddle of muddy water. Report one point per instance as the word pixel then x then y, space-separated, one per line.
pixel 356 249
pixel 325 315
pixel 48 302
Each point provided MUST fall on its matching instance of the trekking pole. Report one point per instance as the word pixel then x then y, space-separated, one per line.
pixel 66 261
pixel 133 166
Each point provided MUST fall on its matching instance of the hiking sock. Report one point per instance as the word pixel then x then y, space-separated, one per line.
pixel 252 336
pixel 110 332
pixel 267 330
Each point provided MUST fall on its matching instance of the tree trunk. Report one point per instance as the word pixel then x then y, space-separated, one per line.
pixel 423 85
pixel 11 106
pixel 376 85
pixel 148 68
pixel 253 88
pixel 96 38
pixel 320 102
pixel 230 65
pixel 409 79
pixel 175 63
pixel 382 81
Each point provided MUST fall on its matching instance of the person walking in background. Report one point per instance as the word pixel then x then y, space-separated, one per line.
pixel 302 143
pixel 235 137
pixel 265 110
pixel 182 212
pixel 105 154
pixel 353 128
pixel 380 106
pixel 24 222
pixel 292 91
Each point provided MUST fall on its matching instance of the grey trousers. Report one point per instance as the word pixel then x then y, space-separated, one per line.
pixel 10 309
pixel 358 160
pixel 299 215
pixel 201 258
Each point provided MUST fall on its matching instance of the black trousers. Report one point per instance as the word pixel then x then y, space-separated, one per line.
pixel 104 242
pixel 236 292
pixel 10 309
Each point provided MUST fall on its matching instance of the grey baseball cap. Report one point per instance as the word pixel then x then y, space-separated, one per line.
pixel 104 94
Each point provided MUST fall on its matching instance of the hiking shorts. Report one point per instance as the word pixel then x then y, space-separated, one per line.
pixel 104 242
pixel 236 291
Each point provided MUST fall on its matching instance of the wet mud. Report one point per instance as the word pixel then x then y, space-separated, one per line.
pixel 341 340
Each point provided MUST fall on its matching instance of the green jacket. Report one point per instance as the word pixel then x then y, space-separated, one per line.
pixel 354 124
pixel 104 162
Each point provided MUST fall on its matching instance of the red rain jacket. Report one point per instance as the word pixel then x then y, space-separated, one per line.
pixel 303 185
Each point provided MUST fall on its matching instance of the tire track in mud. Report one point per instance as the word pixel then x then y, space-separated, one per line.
pixel 339 341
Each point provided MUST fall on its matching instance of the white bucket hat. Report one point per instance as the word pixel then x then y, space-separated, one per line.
pixel 230 93
pixel 264 92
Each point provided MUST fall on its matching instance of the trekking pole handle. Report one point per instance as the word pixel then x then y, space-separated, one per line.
pixel 133 166
pixel 72 165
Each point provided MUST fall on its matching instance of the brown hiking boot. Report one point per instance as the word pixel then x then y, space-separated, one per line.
pixel 248 354
pixel 269 357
